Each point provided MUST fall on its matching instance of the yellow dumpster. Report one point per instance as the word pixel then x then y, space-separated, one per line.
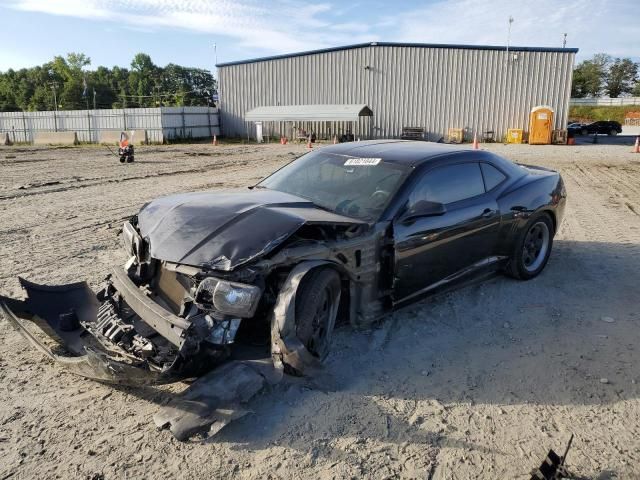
pixel 456 135
pixel 540 125
pixel 514 135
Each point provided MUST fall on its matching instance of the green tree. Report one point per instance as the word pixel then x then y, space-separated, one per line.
pixel 621 78
pixel 589 76
pixel 77 61
pixel 145 84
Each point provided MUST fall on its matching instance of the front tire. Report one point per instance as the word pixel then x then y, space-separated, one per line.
pixel 317 301
pixel 613 132
pixel 532 249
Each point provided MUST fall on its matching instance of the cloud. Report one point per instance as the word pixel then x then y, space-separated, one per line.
pixel 275 26
pixel 279 26
pixel 591 25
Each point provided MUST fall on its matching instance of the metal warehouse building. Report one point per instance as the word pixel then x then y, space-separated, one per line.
pixel 424 86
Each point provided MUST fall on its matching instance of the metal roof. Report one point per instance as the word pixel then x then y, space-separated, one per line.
pixel 313 113
pixel 396 44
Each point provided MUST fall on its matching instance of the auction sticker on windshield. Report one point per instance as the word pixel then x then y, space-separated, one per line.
pixel 362 162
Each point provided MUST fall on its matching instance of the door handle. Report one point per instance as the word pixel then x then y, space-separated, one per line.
pixel 488 212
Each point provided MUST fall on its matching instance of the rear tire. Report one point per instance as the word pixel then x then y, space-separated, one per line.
pixel 613 132
pixel 317 301
pixel 532 248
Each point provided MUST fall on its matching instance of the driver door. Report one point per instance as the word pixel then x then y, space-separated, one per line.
pixel 431 249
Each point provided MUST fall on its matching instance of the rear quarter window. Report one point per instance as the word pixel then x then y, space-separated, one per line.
pixel 492 176
pixel 448 184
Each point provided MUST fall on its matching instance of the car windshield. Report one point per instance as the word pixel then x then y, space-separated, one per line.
pixel 355 187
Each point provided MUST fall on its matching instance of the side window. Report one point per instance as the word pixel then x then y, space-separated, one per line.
pixel 449 184
pixel 492 176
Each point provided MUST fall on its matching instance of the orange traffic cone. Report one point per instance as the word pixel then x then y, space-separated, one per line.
pixel 284 140
pixel 475 142
pixel 335 139
pixel 636 148
pixel 309 143
pixel 215 140
pixel 281 140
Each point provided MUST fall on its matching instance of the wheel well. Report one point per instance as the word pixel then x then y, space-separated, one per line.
pixel 345 292
pixel 554 221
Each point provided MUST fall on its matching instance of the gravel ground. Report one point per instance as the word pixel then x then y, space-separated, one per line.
pixel 477 383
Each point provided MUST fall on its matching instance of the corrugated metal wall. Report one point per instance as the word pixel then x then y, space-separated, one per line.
pixel 413 86
pixel 190 122
pixel 160 123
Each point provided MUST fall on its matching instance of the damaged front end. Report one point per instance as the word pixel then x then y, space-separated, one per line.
pixel 123 334
pixel 153 322
pixel 158 321
pixel 206 271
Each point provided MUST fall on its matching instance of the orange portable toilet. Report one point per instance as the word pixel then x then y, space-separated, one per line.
pixel 540 125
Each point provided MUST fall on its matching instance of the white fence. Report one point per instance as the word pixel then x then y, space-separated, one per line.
pixel 605 102
pixel 164 123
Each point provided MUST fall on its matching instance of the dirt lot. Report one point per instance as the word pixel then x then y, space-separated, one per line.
pixel 478 383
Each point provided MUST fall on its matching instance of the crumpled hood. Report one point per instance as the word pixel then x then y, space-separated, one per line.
pixel 222 230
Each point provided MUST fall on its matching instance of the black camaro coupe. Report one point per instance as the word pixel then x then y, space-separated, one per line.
pixel 346 232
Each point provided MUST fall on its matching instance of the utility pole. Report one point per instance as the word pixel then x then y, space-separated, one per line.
pixel 94 98
pixel 564 41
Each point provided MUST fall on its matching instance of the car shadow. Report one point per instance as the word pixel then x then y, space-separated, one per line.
pixel 499 344
pixel 502 343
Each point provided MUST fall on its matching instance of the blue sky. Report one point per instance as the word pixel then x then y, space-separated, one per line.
pixel 184 32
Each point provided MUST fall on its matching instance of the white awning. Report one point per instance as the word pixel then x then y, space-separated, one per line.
pixel 311 113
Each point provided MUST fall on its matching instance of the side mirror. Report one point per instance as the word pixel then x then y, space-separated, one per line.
pixel 423 209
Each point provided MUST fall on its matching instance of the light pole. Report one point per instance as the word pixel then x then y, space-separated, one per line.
pixel 509 36
pixel 55 98
pixel 507 92
pixel 55 107
pixel 215 74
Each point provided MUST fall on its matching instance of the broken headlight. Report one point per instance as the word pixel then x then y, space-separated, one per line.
pixel 228 298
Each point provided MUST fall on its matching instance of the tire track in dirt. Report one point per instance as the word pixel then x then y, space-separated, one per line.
pixel 478 383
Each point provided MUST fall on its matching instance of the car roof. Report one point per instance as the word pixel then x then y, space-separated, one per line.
pixel 406 152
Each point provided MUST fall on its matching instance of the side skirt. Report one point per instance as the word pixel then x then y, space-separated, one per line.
pixel 449 281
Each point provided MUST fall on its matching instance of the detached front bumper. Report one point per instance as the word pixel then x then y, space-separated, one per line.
pixel 70 314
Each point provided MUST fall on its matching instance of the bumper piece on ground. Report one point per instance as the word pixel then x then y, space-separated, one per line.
pixel 61 313
pixel 214 400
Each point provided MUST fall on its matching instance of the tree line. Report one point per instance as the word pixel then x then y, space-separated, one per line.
pixel 67 82
pixel 603 75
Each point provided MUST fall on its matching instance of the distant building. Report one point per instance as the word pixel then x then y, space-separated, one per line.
pixel 424 86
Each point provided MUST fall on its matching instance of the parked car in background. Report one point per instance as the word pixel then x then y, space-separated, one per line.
pixel 575 128
pixel 604 127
